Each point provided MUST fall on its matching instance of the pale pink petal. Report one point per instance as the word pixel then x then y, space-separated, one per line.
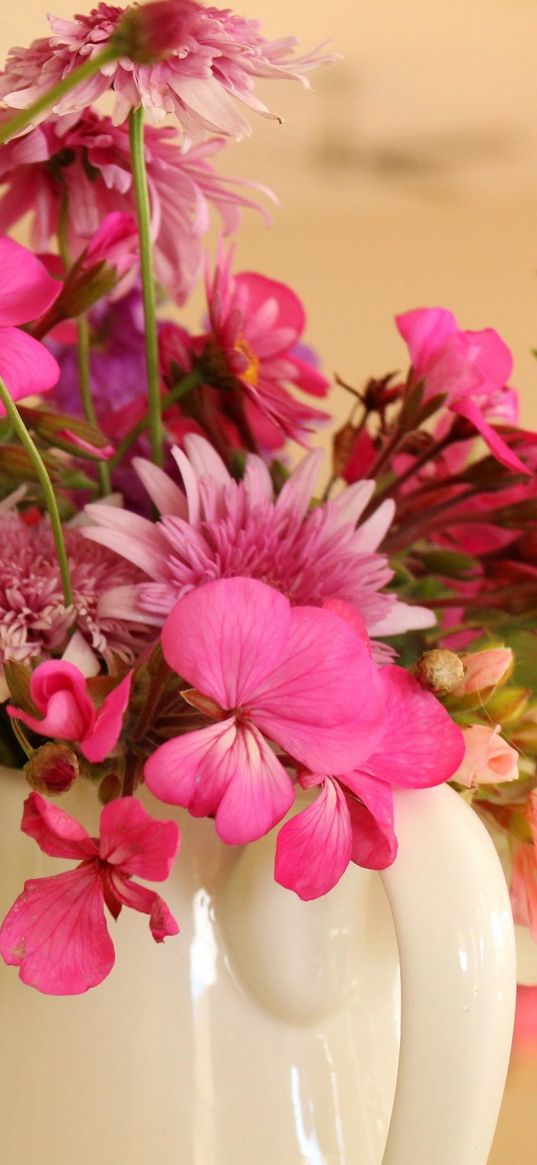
pixel 425 331
pixel 323 701
pixel 372 532
pixel 26 290
pixel 192 768
pixel 55 831
pixel 204 460
pixel 352 501
pixel 313 849
pixel 123 603
pixel 498 447
pixel 403 617
pixel 161 920
pixel 226 637
pixel 258 794
pixel 421 746
pixel 190 483
pixel 166 496
pixel 56 933
pixel 257 481
pixel 104 735
pixel 296 494
pixel 135 538
pixel 81 655
pixel 26 366
pixel 374 844
pixel 130 838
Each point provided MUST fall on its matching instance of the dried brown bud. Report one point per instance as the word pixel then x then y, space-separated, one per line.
pixel 109 788
pixel 439 671
pixel 52 769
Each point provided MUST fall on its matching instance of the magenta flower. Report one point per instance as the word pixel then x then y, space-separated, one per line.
pixel 470 368
pixel 56 930
pixel 352 818
pixel 89 164
pixel 115 243
pixel 256 325
pixel 266 672
pixel 26 291
pixel 217 62
pixel 59 691
pixel 224 528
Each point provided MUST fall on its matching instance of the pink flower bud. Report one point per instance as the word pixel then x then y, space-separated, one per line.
pixel 52 769
pixel 485 669
pixel 488 758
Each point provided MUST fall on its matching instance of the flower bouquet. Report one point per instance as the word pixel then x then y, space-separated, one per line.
pixel 188 603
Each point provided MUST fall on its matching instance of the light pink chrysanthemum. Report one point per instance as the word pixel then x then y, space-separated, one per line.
pixel 219 60
pixel 56 931
pixel 89 164
pixel 223 528
pixel 34 622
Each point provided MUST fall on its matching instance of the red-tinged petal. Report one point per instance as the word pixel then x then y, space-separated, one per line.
pixel 161 920
pixel 226 637
pixel 192 768
pixel 104 735
pixel 25 365
pixel 55 831
pixel 313 849
pixel 27 290
pixel 374 844
pixel 259 791
pixel 56 933
pixel 425 331
pixel 421 746
pixel 498 447
pixel 58 689
pixel 130 838
pixel 323 703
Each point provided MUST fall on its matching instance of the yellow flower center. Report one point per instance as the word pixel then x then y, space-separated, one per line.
pixel 252 368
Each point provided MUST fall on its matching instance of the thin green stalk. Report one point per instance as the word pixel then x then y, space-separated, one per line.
pixel 83 359
pixel 46 485
pixel 190 381
pixel 88 69
pixel 141 193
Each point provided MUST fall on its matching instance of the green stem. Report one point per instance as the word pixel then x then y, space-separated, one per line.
pixel 83 359
pixel 190 381
pixel 23 119
pixel 141 193
pixel 46 485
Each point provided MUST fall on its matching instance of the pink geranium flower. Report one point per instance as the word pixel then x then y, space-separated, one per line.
pixel 256 326
pixel 59 691
pixel 266 672
pixel 89 165
pixel 26 291
pixel 224 528
pixel 217 62
pixel 352 818
pixel 470 368
pixel 56 931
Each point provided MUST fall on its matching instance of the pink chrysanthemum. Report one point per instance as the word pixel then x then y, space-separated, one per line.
pixel 89 165
pixel 34 621
pixel 224 528
pixel 219 59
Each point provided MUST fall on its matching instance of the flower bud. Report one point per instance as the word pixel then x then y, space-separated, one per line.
pixel 488 758
pixel 52 769
pixel 484 670
pixel 439 671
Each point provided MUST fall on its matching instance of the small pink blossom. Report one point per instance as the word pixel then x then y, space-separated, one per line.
pixel 485 669
pixel 59 691
pixel 217 63
pixel 220 528
pixel 56 931
pixel 488 758
pixel 471 369
pixel 352 817
pixel 115 243
pixel 296 676
pixel 26 291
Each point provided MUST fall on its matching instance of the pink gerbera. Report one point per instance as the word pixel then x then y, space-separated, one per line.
pixel 56 931
pixel 223 528
pixel 216 57
pixel 89 164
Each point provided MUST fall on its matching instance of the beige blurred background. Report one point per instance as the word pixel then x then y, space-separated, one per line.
pixel 407 177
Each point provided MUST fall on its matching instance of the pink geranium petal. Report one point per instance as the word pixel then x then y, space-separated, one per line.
pixel 313 849
pixel 26 290
pixel 469 409
pixel 56 933
pixel 425 331
pixel 161 920
pixel 26 366
pixel 55 831
pixel 374 844
pixel 58 689
pixel 258 794
pixel 108 723
pixel 180 768
pixel 130 838
pixel 225 637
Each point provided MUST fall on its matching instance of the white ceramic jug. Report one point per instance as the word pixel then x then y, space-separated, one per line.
pixel 267 1033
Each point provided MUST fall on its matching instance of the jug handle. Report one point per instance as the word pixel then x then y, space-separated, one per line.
pixel 455 933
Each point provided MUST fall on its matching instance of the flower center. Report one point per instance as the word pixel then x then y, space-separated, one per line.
pixel 250 373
